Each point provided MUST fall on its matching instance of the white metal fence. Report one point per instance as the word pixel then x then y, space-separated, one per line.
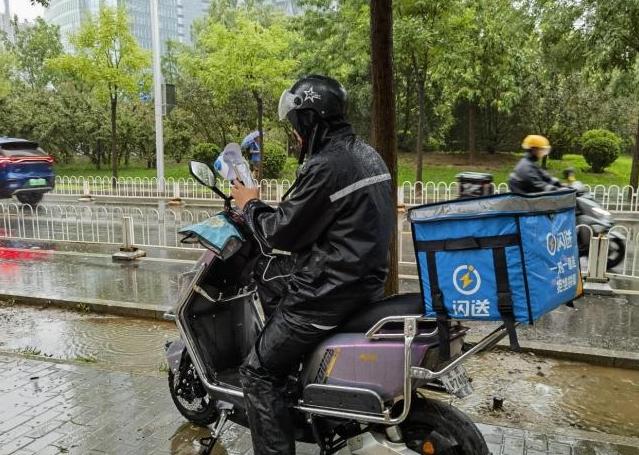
pixel 153 227
pixel 613 197
pixel 98 224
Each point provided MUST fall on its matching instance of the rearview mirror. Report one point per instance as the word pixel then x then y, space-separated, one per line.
pixel 202 173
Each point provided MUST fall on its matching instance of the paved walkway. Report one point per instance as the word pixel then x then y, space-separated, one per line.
pixel 50 408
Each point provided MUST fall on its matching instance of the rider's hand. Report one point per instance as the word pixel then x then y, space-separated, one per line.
pixel 242 194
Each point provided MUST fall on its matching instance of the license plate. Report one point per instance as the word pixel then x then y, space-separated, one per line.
pixel 37 182
pixel 457 383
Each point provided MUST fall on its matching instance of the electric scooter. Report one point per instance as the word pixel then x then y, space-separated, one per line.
pixel 368 388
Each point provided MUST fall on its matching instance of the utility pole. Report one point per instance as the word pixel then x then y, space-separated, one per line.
pixel 157 94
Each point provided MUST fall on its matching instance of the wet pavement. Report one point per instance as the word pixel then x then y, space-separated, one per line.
pixel 52 408
pixel 125 344
pixel 82 277
pixel 539 394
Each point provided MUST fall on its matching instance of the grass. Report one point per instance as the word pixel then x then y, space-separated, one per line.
pixel 85 359
pixel 438 167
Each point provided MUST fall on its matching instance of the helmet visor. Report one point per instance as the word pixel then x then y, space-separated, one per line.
pixel 288 102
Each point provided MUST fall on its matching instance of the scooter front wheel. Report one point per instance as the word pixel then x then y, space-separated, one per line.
pixel 616 252
pixel 190 398
pixel 436 428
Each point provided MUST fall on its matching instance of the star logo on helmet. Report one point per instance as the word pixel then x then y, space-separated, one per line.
pixel 310 95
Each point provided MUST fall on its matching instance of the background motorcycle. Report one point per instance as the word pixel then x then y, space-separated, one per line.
pixel 365 387
pixel 590 213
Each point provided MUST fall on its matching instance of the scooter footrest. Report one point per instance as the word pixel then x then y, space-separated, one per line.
pixel 343 398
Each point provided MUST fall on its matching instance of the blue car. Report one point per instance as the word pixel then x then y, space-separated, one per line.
pixel 26 171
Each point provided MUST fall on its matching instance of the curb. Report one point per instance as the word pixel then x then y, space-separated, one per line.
pixel 115 307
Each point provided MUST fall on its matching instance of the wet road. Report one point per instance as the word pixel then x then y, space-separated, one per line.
pixel 83 277
pixel 539 393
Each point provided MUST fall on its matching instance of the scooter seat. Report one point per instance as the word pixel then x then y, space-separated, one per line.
pixel 397 305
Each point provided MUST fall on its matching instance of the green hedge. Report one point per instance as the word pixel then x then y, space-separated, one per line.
pixel 274 160
pixel 600 148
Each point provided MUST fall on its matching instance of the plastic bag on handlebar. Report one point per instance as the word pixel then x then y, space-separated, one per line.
pixel 218 234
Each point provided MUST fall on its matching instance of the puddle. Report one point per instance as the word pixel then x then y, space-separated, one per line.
pixel 550 393
pixel 126 344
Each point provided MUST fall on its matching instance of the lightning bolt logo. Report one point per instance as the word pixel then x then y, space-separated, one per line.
pixel 466 278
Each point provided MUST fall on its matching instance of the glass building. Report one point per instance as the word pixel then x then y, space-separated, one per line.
pixel 69 14
pixel 176 16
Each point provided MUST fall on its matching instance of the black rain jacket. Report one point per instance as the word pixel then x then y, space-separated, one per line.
pixel 337 224
pixel 528 177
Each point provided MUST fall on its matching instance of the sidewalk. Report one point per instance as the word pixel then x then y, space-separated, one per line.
pixel 50 408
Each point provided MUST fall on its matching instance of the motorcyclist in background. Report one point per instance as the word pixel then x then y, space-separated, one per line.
pixel 337 225
pixel 528 176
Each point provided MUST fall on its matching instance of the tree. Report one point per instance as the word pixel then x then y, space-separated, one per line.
pixel 32 46
pixel 108 58
pixel 383 126
pixel 327 26
pixel 243 57
pixel 421 38
pixel 7 63
pixel 611 28
pixel 488 58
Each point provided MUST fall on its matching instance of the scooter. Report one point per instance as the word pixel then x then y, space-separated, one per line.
pixel 366 389
pixel 598 221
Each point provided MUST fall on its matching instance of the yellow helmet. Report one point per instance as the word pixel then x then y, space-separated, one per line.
pixel 535 141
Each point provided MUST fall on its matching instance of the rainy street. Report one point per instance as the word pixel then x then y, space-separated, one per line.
pixel 81 379
pixel 82 348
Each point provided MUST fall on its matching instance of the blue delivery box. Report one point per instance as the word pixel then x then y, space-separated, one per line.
pixel 505 257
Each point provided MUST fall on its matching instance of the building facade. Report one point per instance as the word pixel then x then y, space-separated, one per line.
pixel 69 15
pixel 176 17
pixel 5 19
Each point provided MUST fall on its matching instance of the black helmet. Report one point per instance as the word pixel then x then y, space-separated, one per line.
pixel 313 105
pixel 320 94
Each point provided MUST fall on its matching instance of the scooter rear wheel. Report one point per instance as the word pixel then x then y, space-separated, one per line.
pixel 435 428
pixel 190 398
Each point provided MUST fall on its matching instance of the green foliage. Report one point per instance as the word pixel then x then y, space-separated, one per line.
pixel 32 46
pixel 274 161
pixel 178 134
pixel 106 56
pixel 205 152
pixel 600 148
pixel 553 67
pixel 108 60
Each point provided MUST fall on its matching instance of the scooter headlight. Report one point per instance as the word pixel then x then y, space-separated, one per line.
pixel 601 212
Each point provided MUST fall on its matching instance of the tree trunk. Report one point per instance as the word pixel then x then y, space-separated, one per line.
pixel 260 130
pixel 383 113
pixel 99 154
pixel 406 110
pixel 634 173
pixel 114 151
pixel 419 145
pixel 472 132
